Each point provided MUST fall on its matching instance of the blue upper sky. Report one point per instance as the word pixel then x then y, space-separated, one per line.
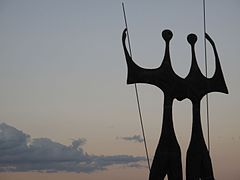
pixel 63 72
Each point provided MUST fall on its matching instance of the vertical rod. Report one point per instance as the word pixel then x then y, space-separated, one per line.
pixel 206 72
pixel 136 92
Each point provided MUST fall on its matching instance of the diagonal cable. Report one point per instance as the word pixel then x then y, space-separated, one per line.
pixel 136 91
pixel 206 73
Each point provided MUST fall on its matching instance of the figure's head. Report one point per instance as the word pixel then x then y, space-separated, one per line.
pixel 192 39
pixel 167 35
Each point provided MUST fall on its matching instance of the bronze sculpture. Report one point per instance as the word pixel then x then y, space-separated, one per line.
pixel 167 159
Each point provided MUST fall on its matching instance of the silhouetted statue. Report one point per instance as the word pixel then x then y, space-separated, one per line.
pixel 198 160
pixel 167 159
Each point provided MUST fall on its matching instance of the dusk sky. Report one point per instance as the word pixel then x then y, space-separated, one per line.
pixel 66 111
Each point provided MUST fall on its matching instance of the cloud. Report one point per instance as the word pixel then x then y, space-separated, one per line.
pixel 20 153
pixel 77 143
pixel 135 138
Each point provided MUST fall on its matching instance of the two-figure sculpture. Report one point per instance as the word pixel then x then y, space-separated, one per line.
pixel 167 159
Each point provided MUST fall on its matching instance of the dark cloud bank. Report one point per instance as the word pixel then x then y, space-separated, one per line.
pixel 20 153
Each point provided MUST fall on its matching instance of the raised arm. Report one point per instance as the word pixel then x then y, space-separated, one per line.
pixel 217 82
pixel 137 74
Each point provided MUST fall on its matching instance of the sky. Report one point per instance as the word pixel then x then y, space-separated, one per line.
pixel 65 108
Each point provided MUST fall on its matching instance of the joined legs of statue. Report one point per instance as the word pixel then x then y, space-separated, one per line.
pixel 198 165
pixel 167 159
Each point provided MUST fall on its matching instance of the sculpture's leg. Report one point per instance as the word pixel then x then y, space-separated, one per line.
pixel 198 165
pixel 167 159
pixel 159 166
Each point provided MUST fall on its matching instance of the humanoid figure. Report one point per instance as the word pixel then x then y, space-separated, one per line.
pixel 198 165
pixel 167 159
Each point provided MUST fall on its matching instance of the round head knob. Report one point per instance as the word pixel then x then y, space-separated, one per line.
pixel 167 35
pixel 192 39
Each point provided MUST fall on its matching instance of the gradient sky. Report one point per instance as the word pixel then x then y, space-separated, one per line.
pixel 63 77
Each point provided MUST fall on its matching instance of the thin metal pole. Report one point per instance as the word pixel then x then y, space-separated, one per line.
pixel 206 72
pixel 136 91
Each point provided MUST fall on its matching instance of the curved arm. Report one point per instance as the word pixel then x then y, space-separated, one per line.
pixel 133 69
pixel 209 39
pixel 130 63
pixel 217 62
pixel 217 82
pixel 124 35
pixel 137 74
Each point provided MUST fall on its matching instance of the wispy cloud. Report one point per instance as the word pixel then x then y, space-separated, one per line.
pixel 18 152
pixel 135 138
